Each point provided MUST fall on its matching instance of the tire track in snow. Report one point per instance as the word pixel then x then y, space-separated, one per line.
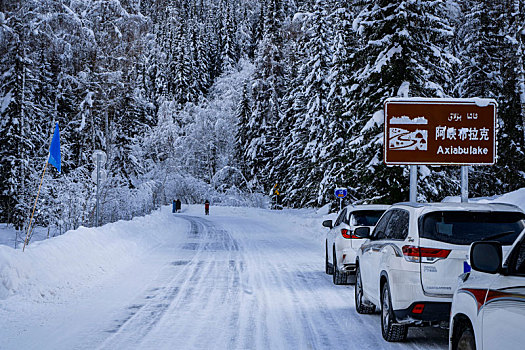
pixel 291 324
pixel 275 324
pixel 310 312
pixel 174 290
pixel 203 286
pixel 250 289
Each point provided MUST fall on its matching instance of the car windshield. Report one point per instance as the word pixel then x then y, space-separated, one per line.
pixel 463 227
pixel 365 217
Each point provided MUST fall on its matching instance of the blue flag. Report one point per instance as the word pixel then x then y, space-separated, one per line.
pixel 54 150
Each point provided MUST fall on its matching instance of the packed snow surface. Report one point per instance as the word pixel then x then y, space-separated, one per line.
pixel 241 278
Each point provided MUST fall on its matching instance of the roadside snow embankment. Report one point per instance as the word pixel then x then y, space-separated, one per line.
pixel 516 197
pixel 79 257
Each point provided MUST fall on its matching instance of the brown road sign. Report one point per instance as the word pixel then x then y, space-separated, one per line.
pixel 440 131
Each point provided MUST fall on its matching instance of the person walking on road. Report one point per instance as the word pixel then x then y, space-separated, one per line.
pixel 207 207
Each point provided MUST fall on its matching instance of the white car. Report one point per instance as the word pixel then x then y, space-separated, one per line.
pixel 488 308
pixel 410 263
pixel 341 245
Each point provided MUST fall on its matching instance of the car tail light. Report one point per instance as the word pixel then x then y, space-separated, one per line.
pixel 346 233
pixel 426 255
pixel 418 308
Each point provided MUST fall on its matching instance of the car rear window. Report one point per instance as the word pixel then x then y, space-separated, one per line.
pixel 365 217
pixel 461 227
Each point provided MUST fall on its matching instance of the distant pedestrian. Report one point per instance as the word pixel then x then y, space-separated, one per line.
pixel 178 205
pixel 207 207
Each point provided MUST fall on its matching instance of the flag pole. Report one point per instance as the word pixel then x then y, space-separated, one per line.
pixel 34 206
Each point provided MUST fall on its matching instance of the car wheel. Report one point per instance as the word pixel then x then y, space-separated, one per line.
pixel 466 340
pixel 360 307
pixel 328 268
pixel 338 276
pixel 391 332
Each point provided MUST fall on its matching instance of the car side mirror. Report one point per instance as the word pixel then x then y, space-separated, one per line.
pixel 486 256
pixel 327 223
pixel 362 232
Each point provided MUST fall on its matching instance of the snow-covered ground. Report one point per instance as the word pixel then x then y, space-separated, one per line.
pixel 241 278
pixel 9 236
pixel 515 197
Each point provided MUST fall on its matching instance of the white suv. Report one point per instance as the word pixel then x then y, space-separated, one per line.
pixel 410 264
pixel 341 244
pixel 488 309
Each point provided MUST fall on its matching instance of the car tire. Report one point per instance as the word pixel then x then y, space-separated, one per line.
pixel 328 268
pixel 391 332
pixel 338 277
pixel 361 307
pixel 466 340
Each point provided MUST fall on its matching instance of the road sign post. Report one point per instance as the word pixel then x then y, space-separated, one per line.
pixel 99 157
pixel 464 184
pixel 426 131
pixel 340 193
pixel 413 183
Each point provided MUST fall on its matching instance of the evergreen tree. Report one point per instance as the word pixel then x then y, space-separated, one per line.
pixel 229 45
pixel 243 115
pixel 334 137
pixel 491 69
pixel 179 67
pixel 289 159
pixel 401 53
pixel 21 116
pixel 263 139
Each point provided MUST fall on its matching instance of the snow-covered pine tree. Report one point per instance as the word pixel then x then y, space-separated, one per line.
pixel 293 106
pixel 401 54
pixel 257 29
pixel 243 114
pixel 213 41
pixel 310 127
pixel 200 81
pixel 179 67
pixel 243 35
pixel 268 88
pixel 21 112
pixel 491 66
pixel 229 45
pixel 334 137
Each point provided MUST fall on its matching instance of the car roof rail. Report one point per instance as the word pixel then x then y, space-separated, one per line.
pixel 421 205
pixel 412 204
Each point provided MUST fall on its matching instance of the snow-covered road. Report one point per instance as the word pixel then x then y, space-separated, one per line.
pixel 238 279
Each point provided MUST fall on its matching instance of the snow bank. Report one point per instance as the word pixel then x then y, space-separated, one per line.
pixel 80 257
pixel 517 198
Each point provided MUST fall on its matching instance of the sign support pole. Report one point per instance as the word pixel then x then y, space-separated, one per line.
pixel 413 183
pixel 464 184
pixel 26 241
pixel 99 157
pixel 340 203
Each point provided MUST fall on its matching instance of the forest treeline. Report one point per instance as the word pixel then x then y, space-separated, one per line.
pixel 223 99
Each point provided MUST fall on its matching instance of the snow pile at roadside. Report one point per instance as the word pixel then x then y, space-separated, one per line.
pixel 79 257
pixel 516 197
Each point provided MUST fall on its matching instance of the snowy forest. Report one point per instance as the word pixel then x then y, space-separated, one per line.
pixel 223 99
